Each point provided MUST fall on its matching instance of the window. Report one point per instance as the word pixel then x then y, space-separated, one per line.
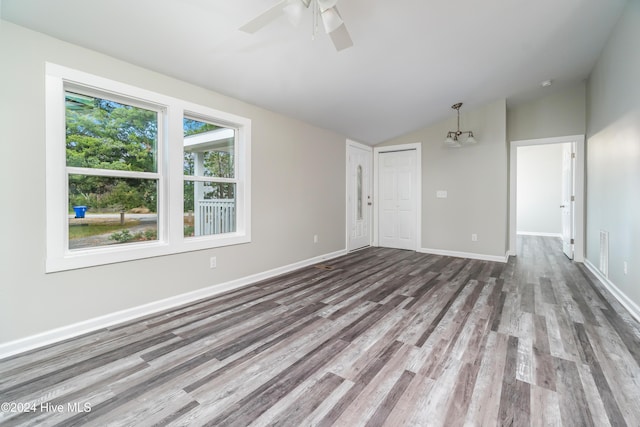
pixel 209 179
pixel 112 169
pixel 133 174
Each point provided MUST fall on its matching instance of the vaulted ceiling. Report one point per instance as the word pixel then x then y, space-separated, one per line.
pixel 411 59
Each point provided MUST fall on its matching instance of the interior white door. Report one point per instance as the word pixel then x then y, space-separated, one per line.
pixel 359 197
pixel 397 204
pixel 566 205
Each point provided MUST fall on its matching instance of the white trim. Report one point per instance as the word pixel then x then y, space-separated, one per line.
pixel 197 178
pixel 538 233
pixel 113 173
pixel 169 175
pixel 359 145
pixel 622 298
pixel 579 205
pixel 417 146
pixel 469 255
pixel 70 331
pixel 351 143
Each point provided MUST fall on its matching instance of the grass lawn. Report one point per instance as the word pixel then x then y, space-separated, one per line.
pixel 88 229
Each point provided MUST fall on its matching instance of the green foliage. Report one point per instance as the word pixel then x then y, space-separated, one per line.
pixel 126 196
pixel 103 134
pixel 188 202
pixel 192 127
pixel 109 135
pixel 79 231
pixel 125 236
pixel 112 194
pixel 150 235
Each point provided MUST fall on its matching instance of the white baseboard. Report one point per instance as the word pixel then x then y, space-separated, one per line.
pixel 537 233
pixel 622 298
pixel 70 331
pixel 469 255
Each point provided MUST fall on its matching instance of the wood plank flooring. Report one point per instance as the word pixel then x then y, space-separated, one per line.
pixel 378 337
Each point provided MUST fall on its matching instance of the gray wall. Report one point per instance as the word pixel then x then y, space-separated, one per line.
pixel 559 113
pixel 613 153
pixel 298 189
pixel 539 183
pixel 475 178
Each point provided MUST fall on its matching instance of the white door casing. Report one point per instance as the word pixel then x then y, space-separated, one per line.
pixel 567 203
pixel 397 199
pixel 578 187
pixel 359 199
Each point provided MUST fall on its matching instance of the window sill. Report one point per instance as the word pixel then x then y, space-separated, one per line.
pixel 137 251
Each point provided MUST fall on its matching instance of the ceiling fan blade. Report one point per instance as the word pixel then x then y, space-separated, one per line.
pixel 326 4
pixel 341 38
pixel 264 18
pixel 331 19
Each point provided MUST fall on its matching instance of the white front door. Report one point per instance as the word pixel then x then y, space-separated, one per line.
pixel 359 196
pixel 567 202
pixel 397 189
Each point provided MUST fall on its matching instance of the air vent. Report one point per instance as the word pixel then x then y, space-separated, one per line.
pixel 604 253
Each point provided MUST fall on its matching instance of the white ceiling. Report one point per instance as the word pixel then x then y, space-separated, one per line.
pixel 411 60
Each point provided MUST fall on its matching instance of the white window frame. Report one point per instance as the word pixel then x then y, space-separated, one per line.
pixel 171 112
pixel 214 179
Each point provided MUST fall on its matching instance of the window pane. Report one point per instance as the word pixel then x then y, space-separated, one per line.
pixel 209 208
pixel 208 149
pixel 105 134
pixel 107 211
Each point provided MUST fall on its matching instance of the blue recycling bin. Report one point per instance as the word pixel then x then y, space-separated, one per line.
pixel 80 211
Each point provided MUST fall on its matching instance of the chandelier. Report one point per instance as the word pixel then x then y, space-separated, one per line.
pixel 453 136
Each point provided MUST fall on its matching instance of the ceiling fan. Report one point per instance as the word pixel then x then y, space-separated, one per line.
pixel 323 10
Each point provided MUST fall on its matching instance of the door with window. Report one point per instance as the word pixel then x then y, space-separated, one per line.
pixel 358 196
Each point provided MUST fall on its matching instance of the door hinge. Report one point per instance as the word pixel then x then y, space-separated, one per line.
pixel 573 155
pixel 572 241
pixel 573 198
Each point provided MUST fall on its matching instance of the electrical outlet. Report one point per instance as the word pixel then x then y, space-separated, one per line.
pixel 315 238
pixel 213 263
pixel 474 237
pixel 625 268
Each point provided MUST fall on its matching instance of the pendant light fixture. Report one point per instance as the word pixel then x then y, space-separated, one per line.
pixel 453 136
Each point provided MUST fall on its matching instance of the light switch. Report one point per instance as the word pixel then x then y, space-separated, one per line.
pixel 441 194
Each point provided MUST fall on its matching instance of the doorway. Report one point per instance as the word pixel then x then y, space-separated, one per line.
pixel 359 203
pixel 397 194
pixel 566 210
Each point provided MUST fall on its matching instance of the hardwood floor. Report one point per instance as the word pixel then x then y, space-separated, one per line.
pixel 377 337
